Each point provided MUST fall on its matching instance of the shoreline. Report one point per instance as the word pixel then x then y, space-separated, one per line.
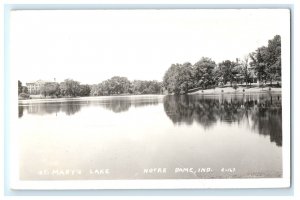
pixel 230 90
pixel 216 91
pixel 88 98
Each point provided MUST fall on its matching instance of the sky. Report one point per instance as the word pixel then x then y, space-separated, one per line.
pixel 94 45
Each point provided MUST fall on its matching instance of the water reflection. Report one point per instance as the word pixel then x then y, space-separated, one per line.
pixel 69 108
pixel 115 104
pixel 21 109
pixel 260 112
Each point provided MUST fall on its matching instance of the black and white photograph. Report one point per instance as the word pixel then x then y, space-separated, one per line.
pixel 150 98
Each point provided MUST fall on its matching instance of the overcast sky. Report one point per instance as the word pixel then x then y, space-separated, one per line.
pixel 91 46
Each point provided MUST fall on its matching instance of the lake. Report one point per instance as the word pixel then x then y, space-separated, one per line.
pixel 151 137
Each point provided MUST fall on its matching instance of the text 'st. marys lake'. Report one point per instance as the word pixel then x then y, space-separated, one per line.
pixel 151 137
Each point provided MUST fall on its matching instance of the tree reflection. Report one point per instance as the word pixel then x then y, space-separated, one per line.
pixel 261 112
pixel 115 104
pixel 20 109
pixel 69 108
pixel 123 104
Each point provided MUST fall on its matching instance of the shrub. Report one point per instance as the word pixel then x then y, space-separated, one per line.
pixel 24 95
pixel 221 84
pixel 262 85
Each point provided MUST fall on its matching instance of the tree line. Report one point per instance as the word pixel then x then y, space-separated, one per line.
pixel 115 86
pixel 121 85
pixel 67 88
pixel 263 65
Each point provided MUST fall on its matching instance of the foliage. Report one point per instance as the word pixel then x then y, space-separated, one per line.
pixel 50 89
pixel 19 87
pixel 178 78
pixel 146 87
pixel 24 89
pixel 228 71
pixel 69 88
pixel 84 90
pixel 266 61
pixel 264 64
pixel 258 64
pixel 204 72
pixel 24 95
pixel 245 71
pixel 115 85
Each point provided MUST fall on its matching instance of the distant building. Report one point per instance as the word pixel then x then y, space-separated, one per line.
pixel 35 87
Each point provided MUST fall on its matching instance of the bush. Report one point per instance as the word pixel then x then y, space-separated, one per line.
pixel 278 85
pixel 24 95
pixel 221 84
pixel 262 85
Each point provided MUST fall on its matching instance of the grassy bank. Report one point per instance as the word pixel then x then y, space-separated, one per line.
pixel 239 90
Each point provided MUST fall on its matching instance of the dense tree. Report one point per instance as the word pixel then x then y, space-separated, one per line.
pixel 146 87
pixel 266 61
pixel 94 90
pixel 116 85
pixel 258 64
pixel 50 89
pixel 69 88
pixel 170 78
pixel 19 87
pixel 22 91
pixel 204 71
pixel 178 79
pixel 25 90
pixel 273 59
pixel 228 71
pixel 264 65
pixel 246 71
pixel 84 90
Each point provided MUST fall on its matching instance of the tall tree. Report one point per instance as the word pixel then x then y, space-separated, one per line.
pixel 70 88
pixel 19 87
pixel 273 59
pixel 203 72
pixel 178 78
pixel 84 90
pixel 246 71
pixel 258 63
pixel 228 71
pixel 266 61
pixel 50 89
pixel 170 78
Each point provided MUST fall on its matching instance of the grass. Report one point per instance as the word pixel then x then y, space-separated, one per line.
pixel 239 90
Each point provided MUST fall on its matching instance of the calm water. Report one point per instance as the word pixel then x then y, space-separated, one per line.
pixel 146 137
